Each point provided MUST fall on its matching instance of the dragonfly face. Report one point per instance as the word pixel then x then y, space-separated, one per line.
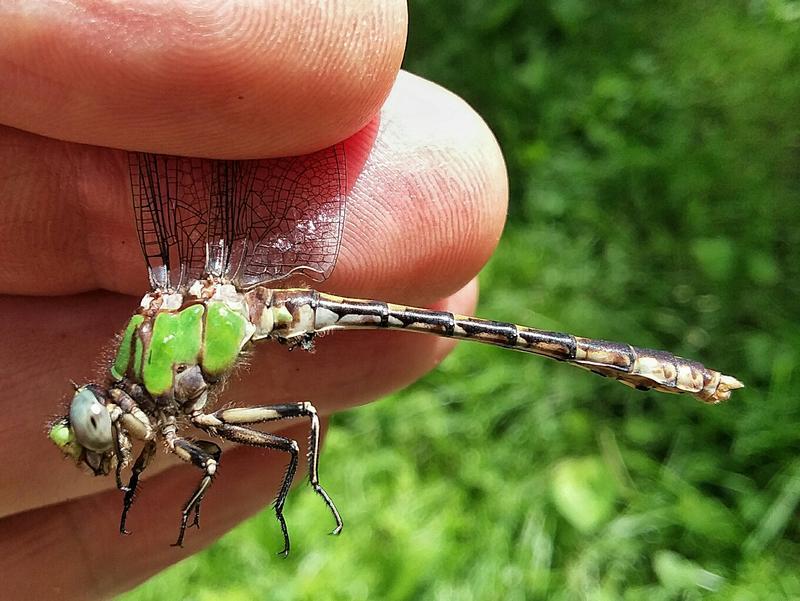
pixel 86 434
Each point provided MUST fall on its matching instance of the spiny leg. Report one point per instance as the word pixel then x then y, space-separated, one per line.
pixel 142 461
pixel 129 421
pixel 197 454
pixel 255 438
pixel 213 450
pixel 122 445
pixel 268 413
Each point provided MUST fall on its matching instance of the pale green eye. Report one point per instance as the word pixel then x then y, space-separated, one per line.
pixel 90 421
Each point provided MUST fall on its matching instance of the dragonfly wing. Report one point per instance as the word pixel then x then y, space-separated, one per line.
pixel 295 218
pixel 170 201
pixel 230 215
pixel 249 222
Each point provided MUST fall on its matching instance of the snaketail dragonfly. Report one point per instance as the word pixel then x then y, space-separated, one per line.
pixel 217 237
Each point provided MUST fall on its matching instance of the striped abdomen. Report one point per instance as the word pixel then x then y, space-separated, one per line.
pixel 308 311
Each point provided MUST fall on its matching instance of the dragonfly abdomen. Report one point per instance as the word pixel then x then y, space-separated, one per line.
pixel 307 312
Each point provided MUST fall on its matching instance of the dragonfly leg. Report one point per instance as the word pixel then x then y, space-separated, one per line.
pixel 255 438
pixel 204 455
pixel 213 450
pixel 268 413
pixel 129 421
pixel 142 461
pixel 122 448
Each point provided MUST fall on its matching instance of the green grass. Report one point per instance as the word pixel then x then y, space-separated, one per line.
pixel 653 154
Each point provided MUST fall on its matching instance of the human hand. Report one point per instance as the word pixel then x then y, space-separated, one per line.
pixel 425 212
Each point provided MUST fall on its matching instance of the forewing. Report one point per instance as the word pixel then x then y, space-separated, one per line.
pixel 230 216
pixel 250 222
pixel 295 218
pixel 170 201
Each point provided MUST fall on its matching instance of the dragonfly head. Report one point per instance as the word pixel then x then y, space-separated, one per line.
pixel 85 434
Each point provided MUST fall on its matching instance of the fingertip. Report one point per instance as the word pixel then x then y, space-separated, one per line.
pixel 429 204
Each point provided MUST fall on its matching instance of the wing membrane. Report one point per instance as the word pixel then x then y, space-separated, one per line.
pixel 298 213
pixel 249 222
pixel 171 216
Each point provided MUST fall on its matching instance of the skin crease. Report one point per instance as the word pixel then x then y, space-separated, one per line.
pixel 425 210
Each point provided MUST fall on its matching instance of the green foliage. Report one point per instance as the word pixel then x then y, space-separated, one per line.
pixel 653 156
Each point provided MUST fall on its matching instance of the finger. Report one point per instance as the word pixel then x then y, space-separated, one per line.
pixel 265 78
pixel 79 540
pixel 424 214
pixel 44 349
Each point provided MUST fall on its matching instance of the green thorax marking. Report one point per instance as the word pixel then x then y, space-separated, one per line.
pixel 176 339
pixel 226 332
pixel 122 361
pixel 210 335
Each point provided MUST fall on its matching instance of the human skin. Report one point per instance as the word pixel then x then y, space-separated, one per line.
pixel 81 80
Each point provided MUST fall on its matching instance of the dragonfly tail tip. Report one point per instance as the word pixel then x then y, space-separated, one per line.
pixel 727 384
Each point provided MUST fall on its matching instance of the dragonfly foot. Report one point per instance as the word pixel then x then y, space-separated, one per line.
pixel 179 542
pixel 286 544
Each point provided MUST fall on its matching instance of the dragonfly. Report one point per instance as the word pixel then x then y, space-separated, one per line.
pixel 222 241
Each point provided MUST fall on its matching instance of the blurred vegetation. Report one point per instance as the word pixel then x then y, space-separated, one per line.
pixel 654 165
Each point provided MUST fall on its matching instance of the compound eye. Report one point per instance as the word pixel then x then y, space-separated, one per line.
pixel 90 420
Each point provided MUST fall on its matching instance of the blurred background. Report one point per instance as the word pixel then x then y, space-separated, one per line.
pixel 654 158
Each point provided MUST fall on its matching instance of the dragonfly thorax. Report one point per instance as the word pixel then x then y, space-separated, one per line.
pixel 176 337
pixel 175 347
